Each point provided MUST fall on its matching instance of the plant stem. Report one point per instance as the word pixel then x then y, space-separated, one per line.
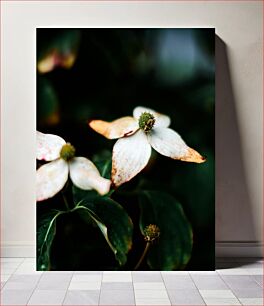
pixel 65 201
pixel 143 255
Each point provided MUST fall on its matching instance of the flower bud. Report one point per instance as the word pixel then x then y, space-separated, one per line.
pixel 151 232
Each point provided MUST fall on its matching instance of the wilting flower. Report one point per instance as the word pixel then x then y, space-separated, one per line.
pixel 52 176
pixel 56 58
pixel 138 134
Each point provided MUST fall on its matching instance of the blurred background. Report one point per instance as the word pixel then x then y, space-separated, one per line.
pixel 86 74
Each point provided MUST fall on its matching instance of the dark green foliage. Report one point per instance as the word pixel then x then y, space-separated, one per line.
pixel 103 162
pixel 110 217
pixel 173 249
pixel 45 234
pixel 48 103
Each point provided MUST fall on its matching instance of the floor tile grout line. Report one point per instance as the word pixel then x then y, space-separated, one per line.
pixel 153 282
pixel 99 298
pixel 35 286
pixel 231 288
pixel 42 274
pixel 166 288
pixel 62 303
pixel 252 276
pixel 249 299
pixel 133 287
pixel 20 264
pixel 197 287
pixel 4 286
pixel 24 258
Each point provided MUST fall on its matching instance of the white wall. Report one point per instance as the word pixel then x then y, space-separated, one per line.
pixel 238 111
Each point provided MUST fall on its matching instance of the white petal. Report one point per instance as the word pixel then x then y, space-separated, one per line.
pixel 85 175
pixel 130 156
pixel 121 127
pixel 48 146
pixel 169 143
pixel 161 120
pixel 51 178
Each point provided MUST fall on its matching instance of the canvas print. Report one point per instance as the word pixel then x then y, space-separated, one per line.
pixel 125 149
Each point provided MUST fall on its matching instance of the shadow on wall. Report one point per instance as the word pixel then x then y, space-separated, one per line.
pixel 234 218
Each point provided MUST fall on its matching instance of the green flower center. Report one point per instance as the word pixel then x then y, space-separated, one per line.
pixel 146 121
pixel 67 152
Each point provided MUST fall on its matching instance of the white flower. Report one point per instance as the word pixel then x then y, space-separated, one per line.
pixel 138 134
pixel 52 176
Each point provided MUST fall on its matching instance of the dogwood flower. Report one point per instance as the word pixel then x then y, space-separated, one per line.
pixel 52 176
pixel 147 128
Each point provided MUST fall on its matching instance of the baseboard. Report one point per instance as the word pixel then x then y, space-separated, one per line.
pixel 239 249
pixel 223 249
pixel 26 249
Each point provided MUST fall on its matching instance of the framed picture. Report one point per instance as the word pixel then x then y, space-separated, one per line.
pixel 125 149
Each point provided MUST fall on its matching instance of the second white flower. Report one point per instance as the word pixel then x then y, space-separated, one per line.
pixel 147 128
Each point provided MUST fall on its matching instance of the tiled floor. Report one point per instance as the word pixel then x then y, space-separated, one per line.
pixel 236 282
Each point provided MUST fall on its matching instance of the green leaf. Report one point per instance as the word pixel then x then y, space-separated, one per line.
pixel 45 235
pixel 173 249
pixel 98 222
pixel 79 195
pixel 103 162
pixel 114 223
pixel 104 168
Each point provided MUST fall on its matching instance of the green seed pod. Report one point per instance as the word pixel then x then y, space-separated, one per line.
pixel 67 152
